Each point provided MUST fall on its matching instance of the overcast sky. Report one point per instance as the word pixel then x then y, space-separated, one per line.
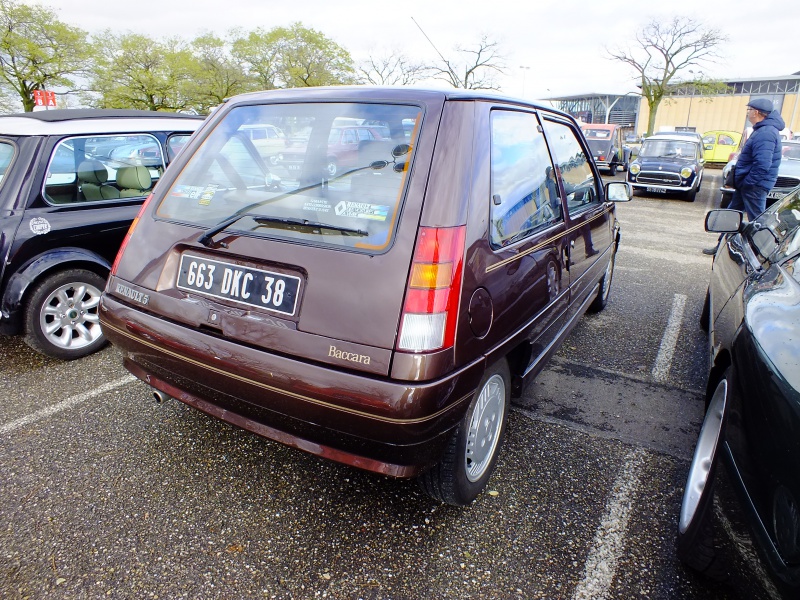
pixel 561 43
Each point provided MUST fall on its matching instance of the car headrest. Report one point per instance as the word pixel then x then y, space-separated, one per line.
pixel 137 178
pixel 92 171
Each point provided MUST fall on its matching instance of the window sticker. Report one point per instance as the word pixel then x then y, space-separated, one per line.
pixel 317 205
pixel 362 210
pixel 196 192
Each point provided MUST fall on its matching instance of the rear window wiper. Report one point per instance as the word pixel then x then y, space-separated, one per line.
pixel 304 223
pixel 207 237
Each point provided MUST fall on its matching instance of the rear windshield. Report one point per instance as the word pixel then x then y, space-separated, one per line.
pixel 328 173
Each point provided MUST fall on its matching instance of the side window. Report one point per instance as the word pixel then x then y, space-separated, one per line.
pixel 99 168
pixel 576 172
pixel 174 145
pixel 524 191
pixel 6 156
pixel 725 140
pixel 349 137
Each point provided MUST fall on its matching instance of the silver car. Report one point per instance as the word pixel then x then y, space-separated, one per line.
pixel 788 174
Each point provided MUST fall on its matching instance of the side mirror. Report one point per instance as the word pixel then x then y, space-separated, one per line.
pixel 618 191
pixel 724 220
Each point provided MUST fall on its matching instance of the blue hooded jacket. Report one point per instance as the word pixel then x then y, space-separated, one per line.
pixel 757 165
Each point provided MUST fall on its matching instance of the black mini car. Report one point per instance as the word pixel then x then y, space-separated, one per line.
pixel 668 163
pixel 71 182
pixel 752 424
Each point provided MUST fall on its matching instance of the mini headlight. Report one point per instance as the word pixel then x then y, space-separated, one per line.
pixel 635 168
pixel 686 172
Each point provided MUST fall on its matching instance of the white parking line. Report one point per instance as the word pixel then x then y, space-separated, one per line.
pixel 669 340
pixel 609 540
pixel 64 404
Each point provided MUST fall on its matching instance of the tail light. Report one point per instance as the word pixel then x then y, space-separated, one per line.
pixel 602 157
pixel 128 235
pixel 430 310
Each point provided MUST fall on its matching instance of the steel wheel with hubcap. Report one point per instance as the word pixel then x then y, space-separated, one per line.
pixel 62 315
pixel 471 453
pixel 601 300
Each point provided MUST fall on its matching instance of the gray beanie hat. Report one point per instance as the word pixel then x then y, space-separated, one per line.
pixel 761 105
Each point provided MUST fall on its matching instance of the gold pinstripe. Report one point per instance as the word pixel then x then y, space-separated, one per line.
pixel 286 392
pixel 548 241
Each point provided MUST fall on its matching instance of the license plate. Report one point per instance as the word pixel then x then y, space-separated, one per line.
pixel 775 195
pixel 293 167
pixel 657 190
pixel 253 287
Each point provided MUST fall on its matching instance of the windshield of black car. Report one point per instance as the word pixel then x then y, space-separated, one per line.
pixel 341 166
pixel 668 149
pixel 775 234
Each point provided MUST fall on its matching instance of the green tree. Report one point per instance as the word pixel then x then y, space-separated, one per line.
pixel 662 51
pixel 308 58
pixel 215 75
pixel 295 56
pixel 259 54
pixel 136 71
pixel 38 51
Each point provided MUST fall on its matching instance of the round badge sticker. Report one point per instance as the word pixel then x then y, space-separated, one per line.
pixel 39 225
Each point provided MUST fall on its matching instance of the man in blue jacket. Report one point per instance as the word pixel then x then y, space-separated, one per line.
pixel 756 169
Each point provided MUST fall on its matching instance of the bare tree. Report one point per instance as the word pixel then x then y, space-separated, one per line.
pixel 390 68
pixel 476 69
pixel 662 50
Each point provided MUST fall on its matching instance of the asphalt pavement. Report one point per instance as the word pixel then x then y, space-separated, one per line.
pixel 106 494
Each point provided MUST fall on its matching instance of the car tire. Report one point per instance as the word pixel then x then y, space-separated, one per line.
pixel 691 194
pixel 472 450
pixel 62 314
pixel 612 169
pixel 331 169
pixel 695 544
pixel 705 315
pixel 600 301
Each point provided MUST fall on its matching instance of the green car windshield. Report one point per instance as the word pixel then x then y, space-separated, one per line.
pixel 332 174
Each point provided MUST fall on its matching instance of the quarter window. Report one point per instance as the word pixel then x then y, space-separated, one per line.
pixel 576 172
pixel 524 191
pixel 99 168
pixel 6 156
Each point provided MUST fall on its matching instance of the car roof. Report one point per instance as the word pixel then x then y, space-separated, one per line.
pixel 369 93
pixel 676 137
pixel 90 121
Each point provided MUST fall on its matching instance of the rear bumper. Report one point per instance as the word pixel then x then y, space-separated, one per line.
pixel 392 427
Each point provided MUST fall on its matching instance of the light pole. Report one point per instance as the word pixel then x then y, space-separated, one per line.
pixel 524 69
pixel 689 113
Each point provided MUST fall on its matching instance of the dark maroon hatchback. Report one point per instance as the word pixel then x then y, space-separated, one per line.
pixel 382 314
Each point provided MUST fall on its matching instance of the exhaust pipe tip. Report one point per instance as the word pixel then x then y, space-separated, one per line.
pixel 160 396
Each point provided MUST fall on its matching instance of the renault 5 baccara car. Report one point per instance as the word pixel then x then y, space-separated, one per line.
pixel 381 316
pixel 71 182
pixel 669 163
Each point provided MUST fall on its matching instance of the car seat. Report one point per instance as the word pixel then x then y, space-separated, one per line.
pixel 133 181
pixel 92 178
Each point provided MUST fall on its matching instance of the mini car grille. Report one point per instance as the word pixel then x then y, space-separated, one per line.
pixel 787 182
pixel 659 177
